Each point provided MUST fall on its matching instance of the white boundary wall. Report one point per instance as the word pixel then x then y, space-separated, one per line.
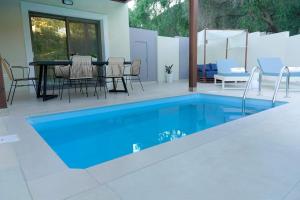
pixel 259 45
pixel 292 51
pixel 272 45
pixel 167 54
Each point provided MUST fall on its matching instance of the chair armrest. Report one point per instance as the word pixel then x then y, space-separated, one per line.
pixel 20 67
pixel 65 70
pixel 23 68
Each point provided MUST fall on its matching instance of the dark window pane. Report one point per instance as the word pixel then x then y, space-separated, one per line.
pixel 83 39
pixel 92 39
pixel 48 38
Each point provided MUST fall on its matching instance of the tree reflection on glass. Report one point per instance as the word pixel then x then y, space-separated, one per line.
pixel 48 38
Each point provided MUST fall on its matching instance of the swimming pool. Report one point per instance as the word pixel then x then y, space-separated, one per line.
pixel 89 137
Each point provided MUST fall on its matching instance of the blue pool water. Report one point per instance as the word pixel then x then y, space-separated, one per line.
pixel 88 137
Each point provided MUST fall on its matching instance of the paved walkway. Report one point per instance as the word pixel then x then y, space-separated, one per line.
pixel 255 158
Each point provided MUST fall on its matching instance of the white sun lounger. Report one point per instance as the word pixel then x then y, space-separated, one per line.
pixel 229 71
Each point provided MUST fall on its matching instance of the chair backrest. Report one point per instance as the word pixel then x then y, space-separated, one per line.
pixel 6 66
pixel 115 67
pixel 227 65
pixel 270 64
pixel 81 67
pixel 135 67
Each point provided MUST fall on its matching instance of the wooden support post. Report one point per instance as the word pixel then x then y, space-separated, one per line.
pixel 193 45
pixel 2 88
pixel 204 58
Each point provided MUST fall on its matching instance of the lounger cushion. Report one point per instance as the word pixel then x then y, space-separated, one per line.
pixel 277 74
pixel 270 65
pixel 210 74
pixel 294 73
pixel 225 65
pixel 213 66
pixel 233 74
pixel 210 70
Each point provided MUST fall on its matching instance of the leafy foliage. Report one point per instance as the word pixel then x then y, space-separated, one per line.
pixel 170 17
pixel 271 15
pixel 168 69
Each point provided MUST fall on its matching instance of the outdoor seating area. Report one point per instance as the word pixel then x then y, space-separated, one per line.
pixel 17 81
pixel 81 72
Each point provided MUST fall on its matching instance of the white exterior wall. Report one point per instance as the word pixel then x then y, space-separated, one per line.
pixel 12 34
pixel 292 52
pixel 167 54
pixel 253 41
pixel 273 45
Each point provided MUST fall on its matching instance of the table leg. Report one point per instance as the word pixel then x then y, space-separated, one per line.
pixel 38 91
pixel 115 88
pixel 125 86
pixel 114 84
pixel 45 82
pixel 43 77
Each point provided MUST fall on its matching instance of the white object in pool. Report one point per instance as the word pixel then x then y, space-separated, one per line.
pixel 9 139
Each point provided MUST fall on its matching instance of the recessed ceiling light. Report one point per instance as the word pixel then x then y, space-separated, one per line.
pixel 67 2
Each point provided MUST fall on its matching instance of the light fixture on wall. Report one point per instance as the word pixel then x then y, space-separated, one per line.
pixel 67 2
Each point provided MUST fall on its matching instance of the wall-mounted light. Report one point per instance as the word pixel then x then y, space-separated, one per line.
pixel 67 2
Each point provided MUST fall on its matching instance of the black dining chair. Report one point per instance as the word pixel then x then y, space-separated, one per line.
pixel 80 71
pixel 134 73
pixel 17 80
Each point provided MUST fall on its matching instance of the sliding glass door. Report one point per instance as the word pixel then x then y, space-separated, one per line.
pixel 49 38
pixel 83 38
pixel 58 37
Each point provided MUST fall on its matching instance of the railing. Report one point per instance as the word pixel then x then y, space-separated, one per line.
pixel 248 86
pixel 284 70
pixel 287 83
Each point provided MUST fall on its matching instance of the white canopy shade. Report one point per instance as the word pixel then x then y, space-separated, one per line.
pixel 236 37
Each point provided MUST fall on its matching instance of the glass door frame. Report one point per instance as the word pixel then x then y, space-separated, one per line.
pixel 67 21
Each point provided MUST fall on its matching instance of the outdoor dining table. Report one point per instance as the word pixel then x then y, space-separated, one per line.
pixel 43 69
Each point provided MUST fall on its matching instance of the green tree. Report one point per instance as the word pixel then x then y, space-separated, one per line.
pixel 171 19
pixel 271 15
pixel 168 17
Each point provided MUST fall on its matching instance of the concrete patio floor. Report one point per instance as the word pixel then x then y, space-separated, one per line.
pixel 255 158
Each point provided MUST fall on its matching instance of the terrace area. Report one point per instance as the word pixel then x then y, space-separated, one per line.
pixel 250 158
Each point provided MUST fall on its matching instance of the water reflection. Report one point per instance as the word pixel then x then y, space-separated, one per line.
pixel 162 137
pixel 170 135
pixel 136 148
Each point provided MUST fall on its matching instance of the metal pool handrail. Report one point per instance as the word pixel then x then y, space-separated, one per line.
pixel 287 83
pixel 248 86
pixel 284 70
